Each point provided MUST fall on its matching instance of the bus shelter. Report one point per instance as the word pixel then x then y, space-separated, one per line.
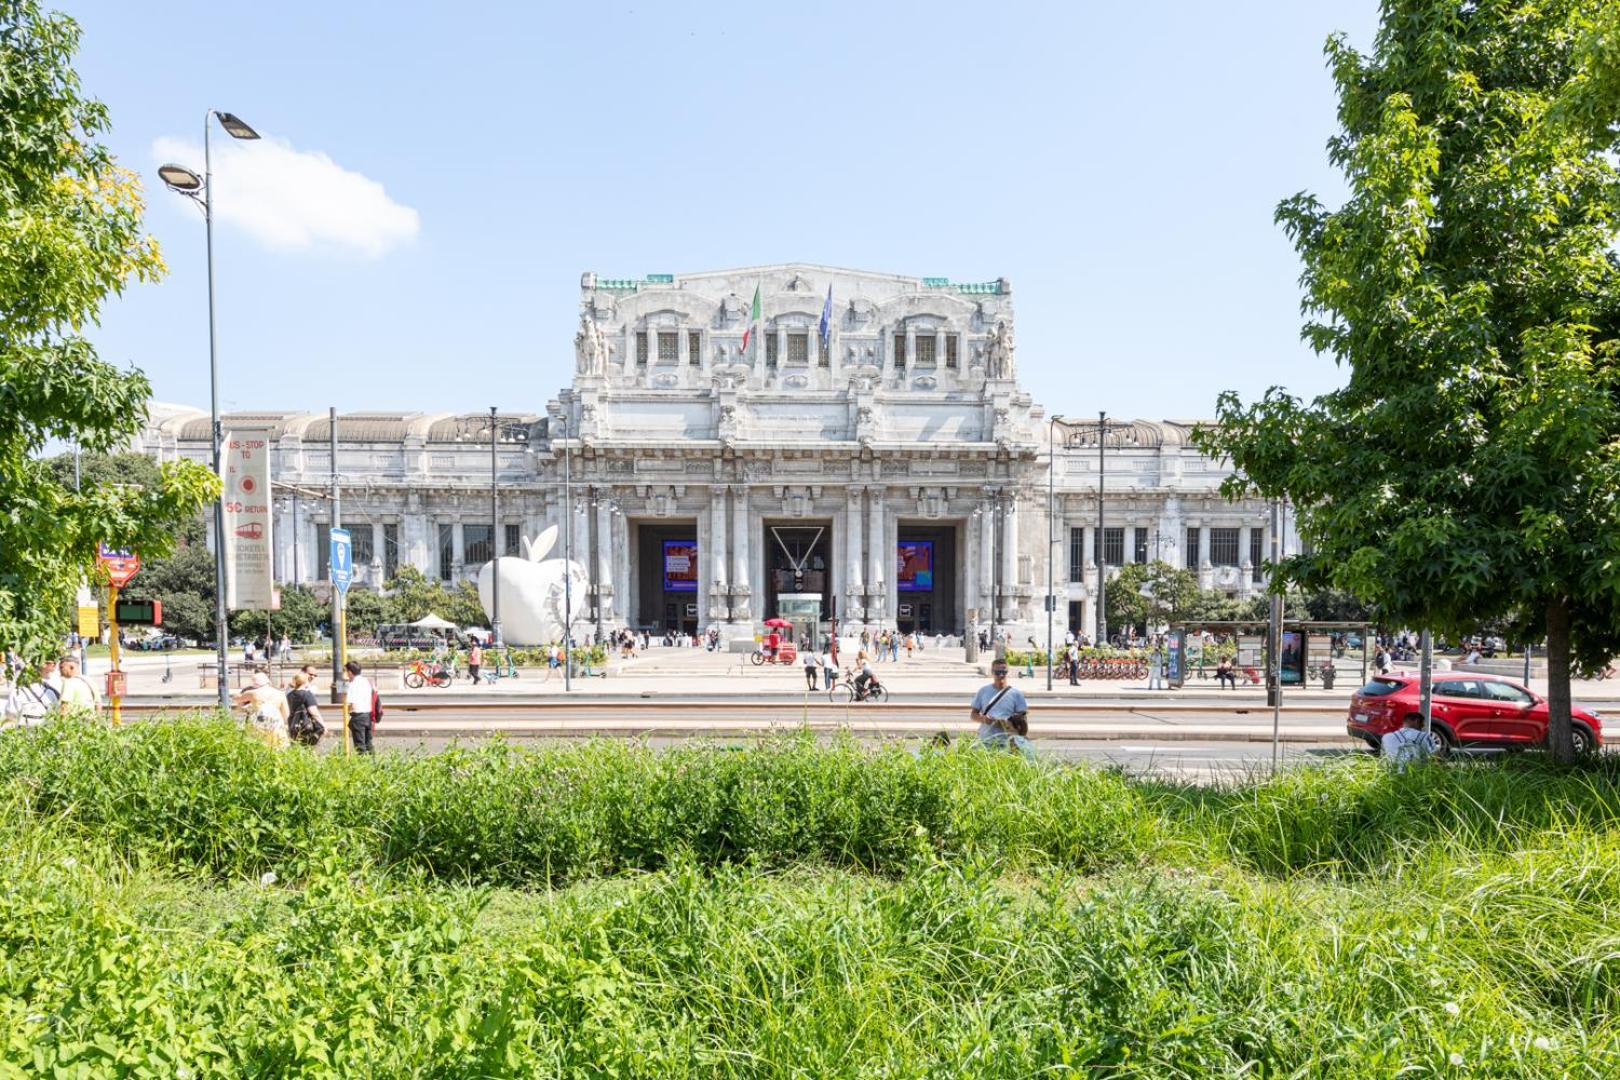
pixel 1308 650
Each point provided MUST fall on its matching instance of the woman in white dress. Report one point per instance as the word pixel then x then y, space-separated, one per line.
pixel 266 711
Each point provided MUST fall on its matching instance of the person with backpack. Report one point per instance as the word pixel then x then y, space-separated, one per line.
pixel 1002 713
pixel 363 708
pixel 32 701
pixel 304 724
pixel 266 709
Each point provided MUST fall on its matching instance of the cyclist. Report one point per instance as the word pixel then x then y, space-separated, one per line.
pixel 864 677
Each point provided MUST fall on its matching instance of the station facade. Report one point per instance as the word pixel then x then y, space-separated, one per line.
pixel 888 471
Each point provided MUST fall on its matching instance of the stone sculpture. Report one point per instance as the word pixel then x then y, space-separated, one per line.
pixel 532 600
pixel 998 352
pixel 590 347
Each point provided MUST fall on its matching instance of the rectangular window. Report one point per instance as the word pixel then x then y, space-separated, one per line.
pixel 447 551
pixel 323 550
pixel 513 545
pixel 798 348
pixel 475 544
pixel 364 549
pixel 1139 544
pixel 1113 545
pixel 1223 547
pixel 1257 555
pixel 390 551
pixel 825 349
pixel 641 347
pixel 1192 547
pixel 694 347
pixel 1077 554
pixel 950 350
pixel 669 346
pixel 899 350
pixel 772 346
pixel 926 350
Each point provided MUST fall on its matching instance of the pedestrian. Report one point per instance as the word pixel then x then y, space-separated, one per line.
pixel 829 664
pixel 1002 713
pixel 1156 669
pixel 810 666
pixel 475 660
pixel 911 643
pixel 362 702
pixel 31 701
pixel 76 693
pixel 1071 659
pixel 894 648
pixel 286 647
pixel 266 711
pixel 1407 744
pixel 304 723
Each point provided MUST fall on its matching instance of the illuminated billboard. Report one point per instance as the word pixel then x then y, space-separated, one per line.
pixel 680 566
pixel 914 565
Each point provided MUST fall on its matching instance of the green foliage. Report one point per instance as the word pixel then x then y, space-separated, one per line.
pixel 1150 594
pixel 301 615
pixel 1346 921
pixel 70 236
pixel 1469 282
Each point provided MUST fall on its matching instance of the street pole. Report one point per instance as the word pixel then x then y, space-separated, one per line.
pixel 337 599
pixel 1426 682
pixel 568 562
pixel 114 683
pixel 1275 647
pixel 1051 541
pixel 221 629
pixel 1102 548
pixel 494 534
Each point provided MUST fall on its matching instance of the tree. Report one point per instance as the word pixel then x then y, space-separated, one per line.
pixel 1468 469
pixel 1150 594
pixel 70 235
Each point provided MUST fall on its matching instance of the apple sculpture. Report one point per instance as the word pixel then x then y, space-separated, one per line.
pixel 532 591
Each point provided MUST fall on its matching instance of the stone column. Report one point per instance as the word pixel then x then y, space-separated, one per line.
pixel 987 570
pixel 877 576
pixel 623 587
pixel 719 604
pixel 939 350
pixel 378 566
pixel 854 578
pixel 741 609
pixel 1009 558
pixel 605 552
pixel 1203 547
pixel 458 550
pixel 1245 565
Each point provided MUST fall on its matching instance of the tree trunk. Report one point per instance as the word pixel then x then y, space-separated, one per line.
pixel 1560 739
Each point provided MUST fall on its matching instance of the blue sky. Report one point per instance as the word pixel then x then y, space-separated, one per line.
pixel 439 175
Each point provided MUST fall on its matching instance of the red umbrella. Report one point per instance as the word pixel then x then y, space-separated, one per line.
pixel 781 624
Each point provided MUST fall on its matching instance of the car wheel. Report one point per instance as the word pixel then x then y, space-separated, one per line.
pixel 1441 741
pixel 1374 745
pixel 1581 735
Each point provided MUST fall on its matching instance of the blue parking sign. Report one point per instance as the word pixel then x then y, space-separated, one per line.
pixel 342 559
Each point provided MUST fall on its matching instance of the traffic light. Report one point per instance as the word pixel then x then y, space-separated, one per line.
pixel 138 612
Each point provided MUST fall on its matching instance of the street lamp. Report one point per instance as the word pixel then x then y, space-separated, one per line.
pixel 509 431
pixel 1051 537
pixel 199 190
pixel 1119 434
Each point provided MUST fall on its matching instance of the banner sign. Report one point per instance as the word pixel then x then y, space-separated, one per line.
pixel 249 585
pixel 341 546
pixel 680 566
pixel 914 565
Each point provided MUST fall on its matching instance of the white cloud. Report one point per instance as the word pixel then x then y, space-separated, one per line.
pixel 296 200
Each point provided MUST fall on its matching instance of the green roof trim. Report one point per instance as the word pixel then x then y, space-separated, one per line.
pixel 660 279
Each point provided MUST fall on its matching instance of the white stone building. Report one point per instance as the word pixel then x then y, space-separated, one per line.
pixel 898 473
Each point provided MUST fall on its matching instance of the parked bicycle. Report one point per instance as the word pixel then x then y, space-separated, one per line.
pixel 846 691
pixel 421 673
pixel 502 668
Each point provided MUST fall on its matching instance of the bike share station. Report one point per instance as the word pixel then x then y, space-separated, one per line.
pixel 1308 651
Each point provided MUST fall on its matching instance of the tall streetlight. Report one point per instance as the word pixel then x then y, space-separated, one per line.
pixel 1051 536
pixel 1120 433
pixel 500 431
pixel 200 190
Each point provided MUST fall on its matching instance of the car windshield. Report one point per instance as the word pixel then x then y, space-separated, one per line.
pixel 1380 688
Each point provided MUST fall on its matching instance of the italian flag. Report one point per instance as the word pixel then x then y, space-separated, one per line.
pixel 753 321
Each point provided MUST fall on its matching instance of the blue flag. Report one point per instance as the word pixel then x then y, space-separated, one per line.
pixel 826 318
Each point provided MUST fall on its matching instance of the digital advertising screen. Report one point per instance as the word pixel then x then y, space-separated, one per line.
pixel 680 566
pixel 915 562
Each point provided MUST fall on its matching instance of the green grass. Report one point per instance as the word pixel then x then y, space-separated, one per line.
pixel 180 898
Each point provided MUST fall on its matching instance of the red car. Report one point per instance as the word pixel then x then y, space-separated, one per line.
pixel 1467 710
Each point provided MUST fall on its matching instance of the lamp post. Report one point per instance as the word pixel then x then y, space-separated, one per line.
pixel 1051 537
pixel 494 535
pixel 568 561
pixel 200 190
